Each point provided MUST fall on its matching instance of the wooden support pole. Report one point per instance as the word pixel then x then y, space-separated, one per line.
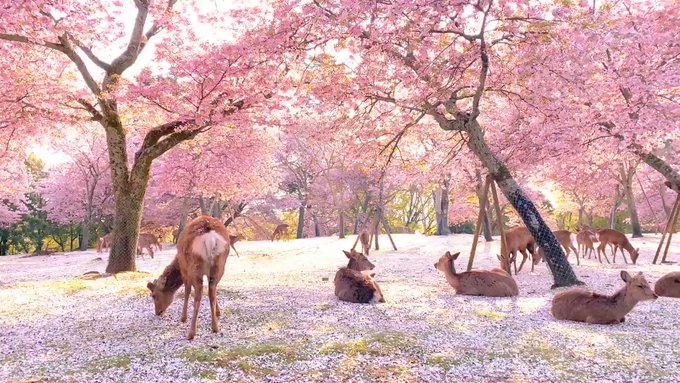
pixel 669 227
pixel 482 206
pixel 499 214
pixel 386 225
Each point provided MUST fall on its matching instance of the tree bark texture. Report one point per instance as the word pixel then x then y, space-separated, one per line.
pixel 560 268
pixel 301 220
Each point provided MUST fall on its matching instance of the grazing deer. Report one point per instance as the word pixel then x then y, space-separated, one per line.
pixel 489 283
pixel 519 239
pixel 619 241
pixel 584 306
pixel 566 240
pixel 104 242
pixel 353 285
pixel 668 285
pixel 585 240
pixel 202 249
pixel 147 241
pixel 280 231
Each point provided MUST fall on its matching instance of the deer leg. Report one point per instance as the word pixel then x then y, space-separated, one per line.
pixel 624 255
pixel 150 252
pixel 187 294
pixel 524 259
pixel 578 262
pixel 600 252
pixel 512 257
pixel 212 296
pixel 198 294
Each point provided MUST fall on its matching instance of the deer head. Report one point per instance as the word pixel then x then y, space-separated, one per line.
pixel 358 261
pixel 446 262
pixel 161 299
pixel 637 287
pixel 634 255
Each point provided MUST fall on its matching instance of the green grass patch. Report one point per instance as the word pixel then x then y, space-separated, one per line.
pixel 379 343
pixel 122 362
pixel 490 314
pixel 443 362
pixel 67 286
pixel 133 276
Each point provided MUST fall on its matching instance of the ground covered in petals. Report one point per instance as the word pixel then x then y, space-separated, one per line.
pixel 282 323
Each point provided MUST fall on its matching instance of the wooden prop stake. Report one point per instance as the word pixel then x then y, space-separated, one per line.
pixel 478 229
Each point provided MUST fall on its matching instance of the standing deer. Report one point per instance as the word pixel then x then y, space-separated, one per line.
pixel 365 241
pixel 519 239
pixel 280 231
pixel 489 283
pixel 584 306
pixel 585 240
pixel 202 249
pixel 147 241
pixel 619 241
pixel 353 285
pixel 103 242
pixel 566 240
pixel 233 239
pixel 668 285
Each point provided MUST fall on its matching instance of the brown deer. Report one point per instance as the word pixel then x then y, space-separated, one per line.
pixel 585 240
pixel 365 242
pixel 519 239
pixel 104 242
pixel 668 285
pixel 489 283
pixel 566 240
pixel 147 241
pixel 584 306
pixel 280 231
pixel 619 241
pixel 353 285
pixel 202 249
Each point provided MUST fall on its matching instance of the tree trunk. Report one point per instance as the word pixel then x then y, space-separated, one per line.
pixel 590 217
pixel 560 268
pixel 581 213
pixel 85 230
pixel 341 224
pixel 441 209
pixel 216 210
pixel 317 228
pixel 301 220
pixel 486 225
pixel 632 208
pixel 615 207
pixel 126 221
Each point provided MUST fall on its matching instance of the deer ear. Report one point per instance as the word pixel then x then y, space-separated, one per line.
pixel 150 286
pixel 625 276
pixel 455 256
pixel 447 254
pixel 347 254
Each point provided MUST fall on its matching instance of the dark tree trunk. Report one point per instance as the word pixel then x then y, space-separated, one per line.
pixel 341 224
pixel 615 207
pixel 590 217
pixel 127 218
pixel 301 220
pixel 560 268
pixel 317 228
pixel 486 225
pixel 632 208
pixel 85 230
pixel 441 209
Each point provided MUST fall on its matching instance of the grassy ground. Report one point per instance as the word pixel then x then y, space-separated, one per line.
pixel 282 323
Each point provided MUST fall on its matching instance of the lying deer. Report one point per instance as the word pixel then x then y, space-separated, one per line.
pixel 353 285
pixel 619 241
pixel 585 240
pixel 584 306
pixel 280 231
pixel 565 238
pixel 104 242
pixel 668 285
pixel 489 283
pixel 202 249
pixel 519 239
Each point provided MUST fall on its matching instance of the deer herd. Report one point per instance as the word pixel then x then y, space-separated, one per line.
pixel 203 247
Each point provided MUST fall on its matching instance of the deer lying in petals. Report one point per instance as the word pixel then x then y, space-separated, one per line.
pixel 584 306
pixel 202 249
pixel 668 285
pixel 619 241
pixel 489 283
pixel 280 231
pixel 519 239
pixel 353 285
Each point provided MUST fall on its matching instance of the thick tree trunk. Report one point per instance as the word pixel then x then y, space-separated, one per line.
pixel 632 208
pixel 560 268
pixel 615 207
pixel 341 224
pixel 317 228
pixel 301 220
pixel 85 230
pixel 127 218
pixel 590 217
